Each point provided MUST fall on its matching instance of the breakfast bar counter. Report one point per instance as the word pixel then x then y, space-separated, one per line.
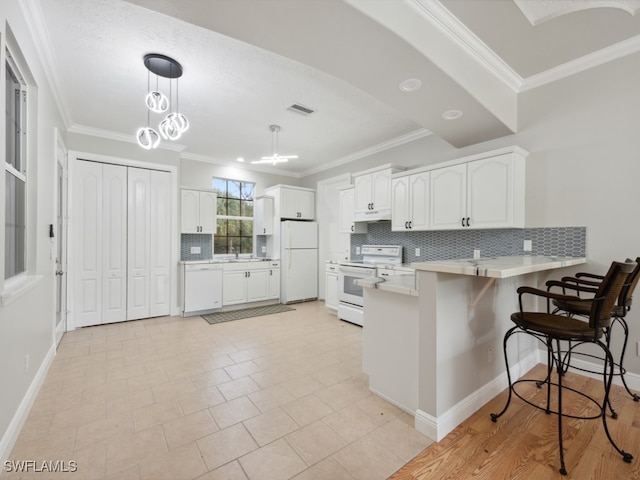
pixel 433 345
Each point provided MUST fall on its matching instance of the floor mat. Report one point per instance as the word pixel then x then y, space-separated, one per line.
pixel 220 317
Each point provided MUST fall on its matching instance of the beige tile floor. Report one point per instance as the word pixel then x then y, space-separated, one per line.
pixel 274 397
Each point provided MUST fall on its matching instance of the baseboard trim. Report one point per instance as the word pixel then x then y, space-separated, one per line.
pixel 17 422
pixel 436 428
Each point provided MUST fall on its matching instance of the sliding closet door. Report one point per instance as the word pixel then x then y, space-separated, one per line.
pixel 138 244
pixel 159 245
pixel 87 214
pixel 114 246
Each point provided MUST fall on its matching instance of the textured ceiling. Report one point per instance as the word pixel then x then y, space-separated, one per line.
pixel 246 61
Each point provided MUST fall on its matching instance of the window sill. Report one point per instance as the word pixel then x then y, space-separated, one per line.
pixel 17 288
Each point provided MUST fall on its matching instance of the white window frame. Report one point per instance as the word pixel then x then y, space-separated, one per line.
pixel 237 217
pixel 21 282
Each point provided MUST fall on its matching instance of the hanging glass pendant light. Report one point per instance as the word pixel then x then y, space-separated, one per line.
pixel 175 123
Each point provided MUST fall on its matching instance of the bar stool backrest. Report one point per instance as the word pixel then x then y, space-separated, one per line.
pixel 608 293
pixel 626 294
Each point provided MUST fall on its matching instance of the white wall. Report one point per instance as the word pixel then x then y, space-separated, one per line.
pixel 27 323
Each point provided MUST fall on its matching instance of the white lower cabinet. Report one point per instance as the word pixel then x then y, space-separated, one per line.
pixel 331 287
pixel 247 282
pixel 274 281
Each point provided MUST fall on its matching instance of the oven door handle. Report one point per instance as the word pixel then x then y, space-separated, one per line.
pixel 359 271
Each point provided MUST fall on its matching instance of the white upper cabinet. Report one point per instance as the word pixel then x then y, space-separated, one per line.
pixel 449 197
pixel 198 211
pixel 296 203
pixel 263 215
pixel 373 193
pixel 410 202
pixel 346 201
pixel 483 193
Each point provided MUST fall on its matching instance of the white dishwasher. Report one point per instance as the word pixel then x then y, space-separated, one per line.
pixel 202 287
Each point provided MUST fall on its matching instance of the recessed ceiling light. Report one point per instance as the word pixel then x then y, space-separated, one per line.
pixel 452 114
pixel 239 159
pixel 410 85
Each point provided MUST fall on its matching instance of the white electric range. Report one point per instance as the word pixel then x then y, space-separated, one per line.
pixel 350 295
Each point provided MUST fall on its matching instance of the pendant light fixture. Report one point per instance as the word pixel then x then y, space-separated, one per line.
pixel 174 124
pixel 275 157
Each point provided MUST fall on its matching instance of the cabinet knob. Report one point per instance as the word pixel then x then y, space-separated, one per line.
pixel 468 222
pixel 410 226
pixel 352 228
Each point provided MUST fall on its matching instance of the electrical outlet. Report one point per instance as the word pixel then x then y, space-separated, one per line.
pixel 195 250
pixel 490 354
pixel 417 252
pixel 357 250
pixel 264 249
pixel 528 246
pixel 638 349
pixel 476 253
pixel 27 357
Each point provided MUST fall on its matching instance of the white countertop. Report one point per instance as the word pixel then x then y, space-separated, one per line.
pixel 228 260
pixel 498 267
pixel 402 284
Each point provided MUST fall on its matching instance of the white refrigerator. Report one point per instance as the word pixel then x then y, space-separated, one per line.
pixel 298 261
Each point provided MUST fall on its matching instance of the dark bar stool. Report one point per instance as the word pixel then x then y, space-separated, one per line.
pixel 552 328
pixel 588 283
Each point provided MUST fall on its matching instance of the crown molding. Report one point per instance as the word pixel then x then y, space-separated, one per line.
pixel 34 19
pixel 380 147
pixel 595 59
pixel 120 137
pixel 434 12
pixel 540 12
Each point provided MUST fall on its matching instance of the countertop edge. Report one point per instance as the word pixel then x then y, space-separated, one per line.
pixel 459 268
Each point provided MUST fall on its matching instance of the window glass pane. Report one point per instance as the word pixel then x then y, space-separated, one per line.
pixel 233 228
pixel 246 228
pixel 222 206
pixel 13 119
pixel 247 191
pixel 15 226
pixel 220 186
pixel 234 189
pixel 246 245
pixel 233 207
pixel 221 227
pixel 220 245
pixel 246 208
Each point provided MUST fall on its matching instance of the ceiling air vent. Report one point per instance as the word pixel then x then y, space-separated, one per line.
pixel 301 109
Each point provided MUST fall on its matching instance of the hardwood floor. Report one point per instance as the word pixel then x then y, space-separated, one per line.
pixel 523 443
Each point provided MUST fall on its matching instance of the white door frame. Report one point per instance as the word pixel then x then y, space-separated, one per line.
pixel 59 241
pixel 175 236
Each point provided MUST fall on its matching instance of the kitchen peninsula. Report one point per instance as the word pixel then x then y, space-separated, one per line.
pixel 433 346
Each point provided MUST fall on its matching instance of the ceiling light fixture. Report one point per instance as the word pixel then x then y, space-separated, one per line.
pixel 452 114
pixel 175 123
pixel 275 157
pixel 410 85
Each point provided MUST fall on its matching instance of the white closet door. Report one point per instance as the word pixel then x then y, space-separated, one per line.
pixel 114 248
pixel 159 243
pixel 87 210
pixel 138 244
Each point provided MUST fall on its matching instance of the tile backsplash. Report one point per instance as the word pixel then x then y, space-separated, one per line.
pixel 188 240
pixel 450 244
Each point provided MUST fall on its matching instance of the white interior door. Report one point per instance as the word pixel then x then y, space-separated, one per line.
pixel 114 248
pixel 87 213
pixel 60 233
pixel 138 244
pixel 159 243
